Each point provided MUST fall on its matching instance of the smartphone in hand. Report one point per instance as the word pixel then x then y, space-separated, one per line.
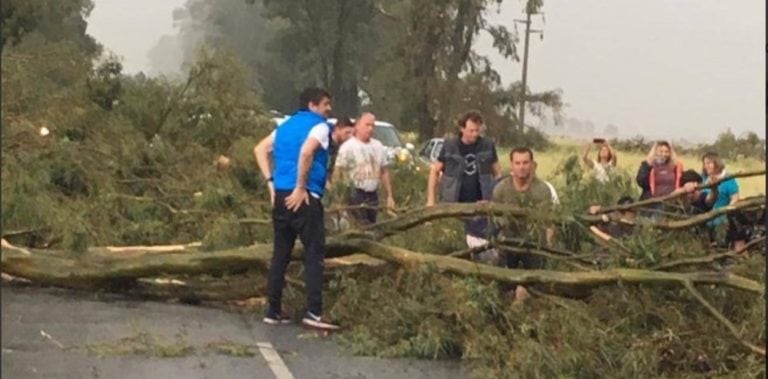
pixel 598 140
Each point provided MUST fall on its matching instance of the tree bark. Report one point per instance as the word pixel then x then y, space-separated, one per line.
pixel 748 203
pixel 55 269
pixel 661 199
pixel 579 279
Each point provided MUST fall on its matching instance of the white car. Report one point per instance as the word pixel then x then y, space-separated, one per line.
pixel 431 149
pixel 385 132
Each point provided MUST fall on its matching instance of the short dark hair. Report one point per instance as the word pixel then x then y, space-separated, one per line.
pixel 689 176
pixel 475 116
pixel 521 150
pixel 312 95
pixel 343 121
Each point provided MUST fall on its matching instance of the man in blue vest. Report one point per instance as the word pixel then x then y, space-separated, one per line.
pixel 300 151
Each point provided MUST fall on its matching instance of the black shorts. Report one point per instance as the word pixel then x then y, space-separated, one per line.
pixel 737 229
pixel 738 226
pixel 524 261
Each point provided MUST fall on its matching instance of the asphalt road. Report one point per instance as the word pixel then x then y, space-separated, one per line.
pixel 54 333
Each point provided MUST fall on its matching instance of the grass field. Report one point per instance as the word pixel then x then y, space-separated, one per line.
pixel 629 162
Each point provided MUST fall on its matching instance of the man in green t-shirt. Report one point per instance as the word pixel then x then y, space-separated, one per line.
pixel 524 190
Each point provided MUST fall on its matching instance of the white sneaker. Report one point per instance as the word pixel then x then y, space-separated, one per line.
pixel 317 322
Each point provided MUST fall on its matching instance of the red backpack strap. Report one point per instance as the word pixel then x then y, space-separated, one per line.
pixel 678 173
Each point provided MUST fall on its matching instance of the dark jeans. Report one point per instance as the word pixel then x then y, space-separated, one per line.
pixel 307 224
pixel 528 261
pixel 520 261
pixel 364 216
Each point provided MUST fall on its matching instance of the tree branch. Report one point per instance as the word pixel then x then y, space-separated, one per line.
pixel 723 320
pixel 419 216
pixel 748 203
pixel 662 199
pixel 579 279
pixel 524 247
pixel 709 258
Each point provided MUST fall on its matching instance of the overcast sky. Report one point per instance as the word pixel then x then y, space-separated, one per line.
pixel 662 68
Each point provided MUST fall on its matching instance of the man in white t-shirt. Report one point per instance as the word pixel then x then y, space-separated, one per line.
pixel 362 163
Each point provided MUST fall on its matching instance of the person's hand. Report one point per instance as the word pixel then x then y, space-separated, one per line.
pixel 672 154
pixel 483 202
pixel 390 203
pixel 714 180
pixel 690 187
pixel 296 198
pixel 593 209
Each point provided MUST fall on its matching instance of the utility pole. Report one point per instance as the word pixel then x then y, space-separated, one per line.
pixel 528 31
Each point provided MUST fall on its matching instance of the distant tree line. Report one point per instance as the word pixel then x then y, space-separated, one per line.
pixel 412 62
pixel 727 144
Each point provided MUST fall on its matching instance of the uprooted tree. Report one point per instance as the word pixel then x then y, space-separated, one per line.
pixel 94 157
pixel 436 303
pixel 113 267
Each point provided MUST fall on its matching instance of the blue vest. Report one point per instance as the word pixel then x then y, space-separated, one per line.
pixel 289 138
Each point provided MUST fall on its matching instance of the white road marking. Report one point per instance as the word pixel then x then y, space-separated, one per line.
pixel 274 361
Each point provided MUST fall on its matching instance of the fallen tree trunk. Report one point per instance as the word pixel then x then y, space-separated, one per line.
pixel 50 269
pixel 586 278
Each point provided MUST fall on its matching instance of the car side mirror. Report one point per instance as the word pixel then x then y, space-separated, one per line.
pixel 409 146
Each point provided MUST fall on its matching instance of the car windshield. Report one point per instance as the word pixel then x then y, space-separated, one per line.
pixel 387 136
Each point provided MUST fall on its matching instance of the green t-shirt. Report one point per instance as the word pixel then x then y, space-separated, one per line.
pixel 536 196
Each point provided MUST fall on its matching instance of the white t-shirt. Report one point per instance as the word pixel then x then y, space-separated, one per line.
pixel 321 132
pixel 362 162
pixel 601 171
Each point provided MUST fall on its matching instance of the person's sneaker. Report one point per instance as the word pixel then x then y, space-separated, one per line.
pixel 273 318
pixel 318 322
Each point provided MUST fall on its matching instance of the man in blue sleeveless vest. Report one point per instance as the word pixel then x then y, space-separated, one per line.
pixel 469 166
pixel 300 150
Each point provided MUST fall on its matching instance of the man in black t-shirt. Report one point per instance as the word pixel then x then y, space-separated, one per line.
pixel 466 169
